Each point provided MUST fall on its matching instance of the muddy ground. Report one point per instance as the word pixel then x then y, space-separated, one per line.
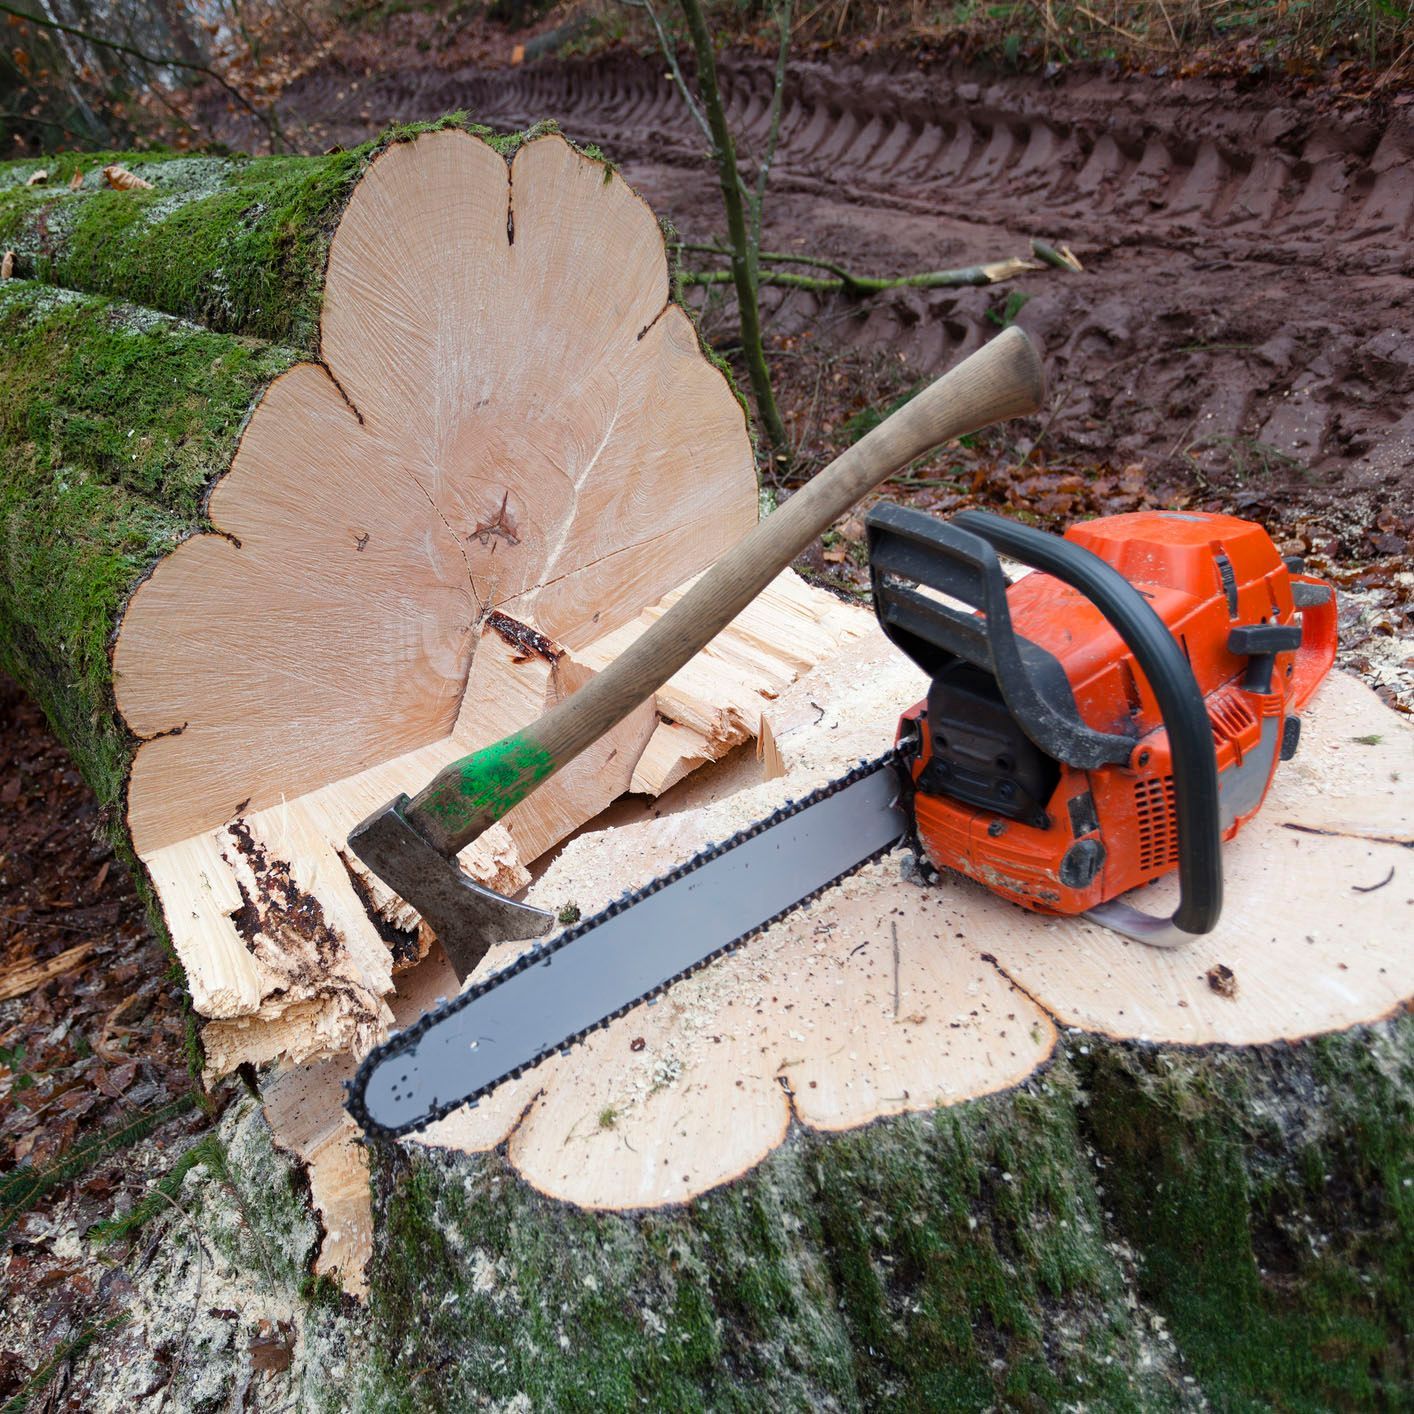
pixel 1242 336
pixel 1243 326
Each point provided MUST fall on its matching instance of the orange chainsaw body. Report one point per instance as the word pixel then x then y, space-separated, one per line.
pixel 1059 838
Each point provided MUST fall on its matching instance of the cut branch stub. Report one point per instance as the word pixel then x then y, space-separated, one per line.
pixel 509 414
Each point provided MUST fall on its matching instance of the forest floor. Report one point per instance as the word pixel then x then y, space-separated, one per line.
pixel 1241 337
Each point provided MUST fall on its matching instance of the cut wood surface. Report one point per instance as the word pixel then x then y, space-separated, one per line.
pixel 814 1022
pixel 323 578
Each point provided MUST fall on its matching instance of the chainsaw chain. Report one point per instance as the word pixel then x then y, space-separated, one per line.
pixel 404 1040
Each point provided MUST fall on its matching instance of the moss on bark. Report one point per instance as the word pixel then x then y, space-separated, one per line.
pixel 238 244
pixel 114 422
pixel 1136 1228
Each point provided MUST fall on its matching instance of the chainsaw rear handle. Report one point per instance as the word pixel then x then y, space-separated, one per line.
pixel 1181 705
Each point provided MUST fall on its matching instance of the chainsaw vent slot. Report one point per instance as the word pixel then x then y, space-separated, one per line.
pixel 1158 824
pixel 1231 717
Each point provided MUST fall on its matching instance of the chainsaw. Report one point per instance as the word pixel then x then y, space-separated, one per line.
pixel 1113 715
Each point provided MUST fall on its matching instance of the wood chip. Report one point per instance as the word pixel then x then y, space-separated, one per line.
pixel 76 181
pixel 1222 979
pixel 120 179
pixel 25 974
pixel 38 179
pixel 7 265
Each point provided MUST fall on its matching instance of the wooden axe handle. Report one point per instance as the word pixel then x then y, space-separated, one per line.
pixel 1001 380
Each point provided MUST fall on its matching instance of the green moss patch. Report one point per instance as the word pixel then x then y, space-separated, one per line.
pixel 114 421
pixel 1137 1228
pixel 1270 1196
pixel 952 1260
pixel 237 244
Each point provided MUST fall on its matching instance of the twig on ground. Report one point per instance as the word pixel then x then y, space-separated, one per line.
pixel 870 285
pixel 1062 257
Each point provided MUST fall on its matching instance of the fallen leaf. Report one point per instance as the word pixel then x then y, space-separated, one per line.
pixel 76 181
pixel 38 179
pixel 271 1353
pixel 120 179
pixel 7 265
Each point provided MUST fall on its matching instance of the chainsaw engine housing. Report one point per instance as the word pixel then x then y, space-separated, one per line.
pixel 1042 763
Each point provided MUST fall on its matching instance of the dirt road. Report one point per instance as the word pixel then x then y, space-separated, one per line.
pixel 1244 321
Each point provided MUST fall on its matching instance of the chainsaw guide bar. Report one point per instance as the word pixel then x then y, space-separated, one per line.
pixel 641 944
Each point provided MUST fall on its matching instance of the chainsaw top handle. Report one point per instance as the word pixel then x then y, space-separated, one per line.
pixel 948 557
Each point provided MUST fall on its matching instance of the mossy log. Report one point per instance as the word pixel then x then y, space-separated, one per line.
pixel 910 1148
pixel 317 472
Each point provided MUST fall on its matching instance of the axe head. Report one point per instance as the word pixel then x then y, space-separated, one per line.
pixel 466 917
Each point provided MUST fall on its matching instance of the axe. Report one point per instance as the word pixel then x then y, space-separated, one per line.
pixel 412 843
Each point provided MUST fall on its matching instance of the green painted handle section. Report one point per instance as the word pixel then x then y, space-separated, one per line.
pixel 486 784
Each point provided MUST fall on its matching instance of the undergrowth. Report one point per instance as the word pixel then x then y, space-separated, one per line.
pixel 1025 34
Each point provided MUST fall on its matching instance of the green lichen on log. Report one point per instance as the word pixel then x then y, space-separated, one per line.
pixel 114 422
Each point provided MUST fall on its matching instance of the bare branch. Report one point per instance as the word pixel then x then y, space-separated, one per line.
pixel 773 136
pixel 670 54
pixel 988 274
pixel 736 198
pixel 10 117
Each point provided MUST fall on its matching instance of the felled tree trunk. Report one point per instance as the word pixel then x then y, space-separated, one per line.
pixel 440 440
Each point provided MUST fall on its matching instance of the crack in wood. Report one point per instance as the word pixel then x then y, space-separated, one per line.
pixel 1030 996
pixel 343 393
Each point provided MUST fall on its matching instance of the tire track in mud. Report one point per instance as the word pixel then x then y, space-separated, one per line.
pixel 1267 177
pixel 1246 308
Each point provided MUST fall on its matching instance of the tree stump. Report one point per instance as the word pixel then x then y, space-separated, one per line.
pixel 911 1147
